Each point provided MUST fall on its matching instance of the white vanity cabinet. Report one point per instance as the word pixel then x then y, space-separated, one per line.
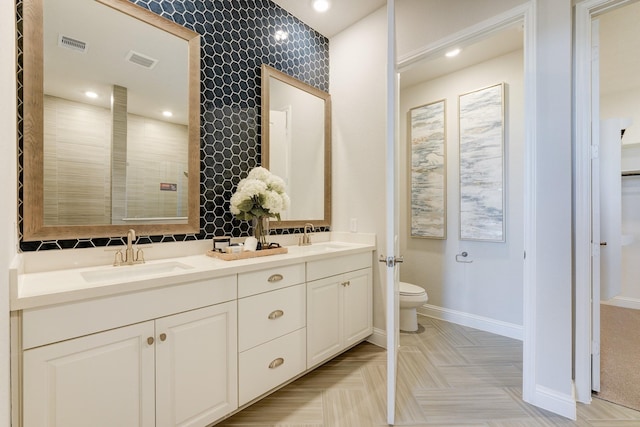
pixel 271 329
pixel 185 351
pixel 339 305
pixel 174 370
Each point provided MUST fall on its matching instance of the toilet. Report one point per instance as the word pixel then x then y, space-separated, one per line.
pixel 411 297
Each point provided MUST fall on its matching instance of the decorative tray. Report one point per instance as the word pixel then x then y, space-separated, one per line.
pixel 247 254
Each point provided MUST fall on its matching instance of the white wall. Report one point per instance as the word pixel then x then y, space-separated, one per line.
pixel 8 196
pixel 491 286
pixel 358 97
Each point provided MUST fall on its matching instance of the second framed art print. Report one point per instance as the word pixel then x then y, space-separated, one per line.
pixel 482 195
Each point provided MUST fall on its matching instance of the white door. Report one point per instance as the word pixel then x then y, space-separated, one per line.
pixel 392 257
pixel 100 380
pixel 196 366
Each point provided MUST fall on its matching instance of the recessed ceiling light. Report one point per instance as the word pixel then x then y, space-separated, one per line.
pixel 167 113
pixel 90 94
pixel 321 5
pixel 452 53
pixel 281 35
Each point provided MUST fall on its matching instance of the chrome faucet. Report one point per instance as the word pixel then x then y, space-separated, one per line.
pixel 305 239
pixel 130 256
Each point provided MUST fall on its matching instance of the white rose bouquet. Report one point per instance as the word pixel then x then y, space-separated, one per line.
pixel 260 195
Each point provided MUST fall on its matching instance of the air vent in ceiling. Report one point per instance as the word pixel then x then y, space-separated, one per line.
pixel 73 44
pixel 141 60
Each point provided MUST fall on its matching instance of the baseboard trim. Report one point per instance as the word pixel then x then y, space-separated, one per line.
pixel 559 403
pixel 378 337
pixel 473 321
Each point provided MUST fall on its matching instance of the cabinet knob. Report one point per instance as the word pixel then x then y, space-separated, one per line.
pixel 276 362
pixel 275 314
pixel 150 340
pixel 163 337
pixel 275 278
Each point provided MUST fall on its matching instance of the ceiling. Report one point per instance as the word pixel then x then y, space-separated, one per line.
pixel 342 14
pixel 497 44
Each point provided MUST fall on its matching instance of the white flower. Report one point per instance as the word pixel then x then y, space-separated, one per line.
pixel 276 183
pixel 260 173
pixel 260 194
pixel 272 202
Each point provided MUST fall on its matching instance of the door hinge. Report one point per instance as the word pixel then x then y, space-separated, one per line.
pixel 595 348
pixel 595 151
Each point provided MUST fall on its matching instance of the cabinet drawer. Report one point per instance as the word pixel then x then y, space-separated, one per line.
pixel 257 282
pixel 267 366
pixel 267 316
pixel 337 265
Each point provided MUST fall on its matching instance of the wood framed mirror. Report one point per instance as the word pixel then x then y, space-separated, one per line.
pixel 296 146
pixel 85 177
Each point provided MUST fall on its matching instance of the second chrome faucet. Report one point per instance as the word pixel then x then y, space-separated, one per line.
pixel 305 239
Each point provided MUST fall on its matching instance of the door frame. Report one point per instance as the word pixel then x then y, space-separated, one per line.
pixel 526 14
pixel 583 102
pixel 392 216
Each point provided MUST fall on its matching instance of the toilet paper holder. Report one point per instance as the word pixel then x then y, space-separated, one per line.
pixel 462 257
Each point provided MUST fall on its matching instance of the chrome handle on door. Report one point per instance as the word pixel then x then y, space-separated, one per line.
pixel 275 278
pixel 275 314
pixel 163 337
pixel 276 362
pixel 391 261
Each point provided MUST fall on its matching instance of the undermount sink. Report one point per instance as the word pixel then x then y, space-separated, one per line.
pixel 321 247
pixel 108 274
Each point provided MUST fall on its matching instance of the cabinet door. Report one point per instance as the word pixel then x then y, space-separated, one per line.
pixel 197 366
pixel 358 316
pixel 100 380
pixel 324 319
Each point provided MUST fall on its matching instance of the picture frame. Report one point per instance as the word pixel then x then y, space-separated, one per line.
pixel 482 166
pixel 427 170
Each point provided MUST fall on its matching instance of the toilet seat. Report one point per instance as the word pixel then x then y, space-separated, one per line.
pixel 410 290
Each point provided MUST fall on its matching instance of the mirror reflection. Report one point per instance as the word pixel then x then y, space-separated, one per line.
pixel 112 129
pixel 110 155
pixel 296 145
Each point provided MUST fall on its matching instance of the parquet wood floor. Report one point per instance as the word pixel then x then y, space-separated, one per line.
pixel 448 375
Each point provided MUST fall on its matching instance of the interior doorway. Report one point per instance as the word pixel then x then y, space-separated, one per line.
pixel 616 312
pixel 606 82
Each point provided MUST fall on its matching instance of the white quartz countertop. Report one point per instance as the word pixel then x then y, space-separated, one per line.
pixel 37 289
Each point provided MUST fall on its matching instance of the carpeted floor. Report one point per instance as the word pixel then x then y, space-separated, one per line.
pixel 620 356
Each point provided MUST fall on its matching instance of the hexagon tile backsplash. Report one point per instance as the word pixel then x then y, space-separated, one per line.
pixel 237 36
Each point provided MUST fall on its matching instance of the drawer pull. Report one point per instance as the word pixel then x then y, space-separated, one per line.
pixel 275 314
pixel 150 340
pixel 347 283
pixel 277 362
pixel 163 336
pixel 275 278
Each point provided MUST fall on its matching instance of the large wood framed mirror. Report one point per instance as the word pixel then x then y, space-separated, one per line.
pixel 129 157
pixel 296 146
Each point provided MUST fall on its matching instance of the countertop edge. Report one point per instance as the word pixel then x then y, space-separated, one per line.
pixel 218 268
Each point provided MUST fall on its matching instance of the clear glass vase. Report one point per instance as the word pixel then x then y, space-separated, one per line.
pixel 261 230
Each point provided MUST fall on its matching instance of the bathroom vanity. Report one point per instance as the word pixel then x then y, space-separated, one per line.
pixel 184 341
